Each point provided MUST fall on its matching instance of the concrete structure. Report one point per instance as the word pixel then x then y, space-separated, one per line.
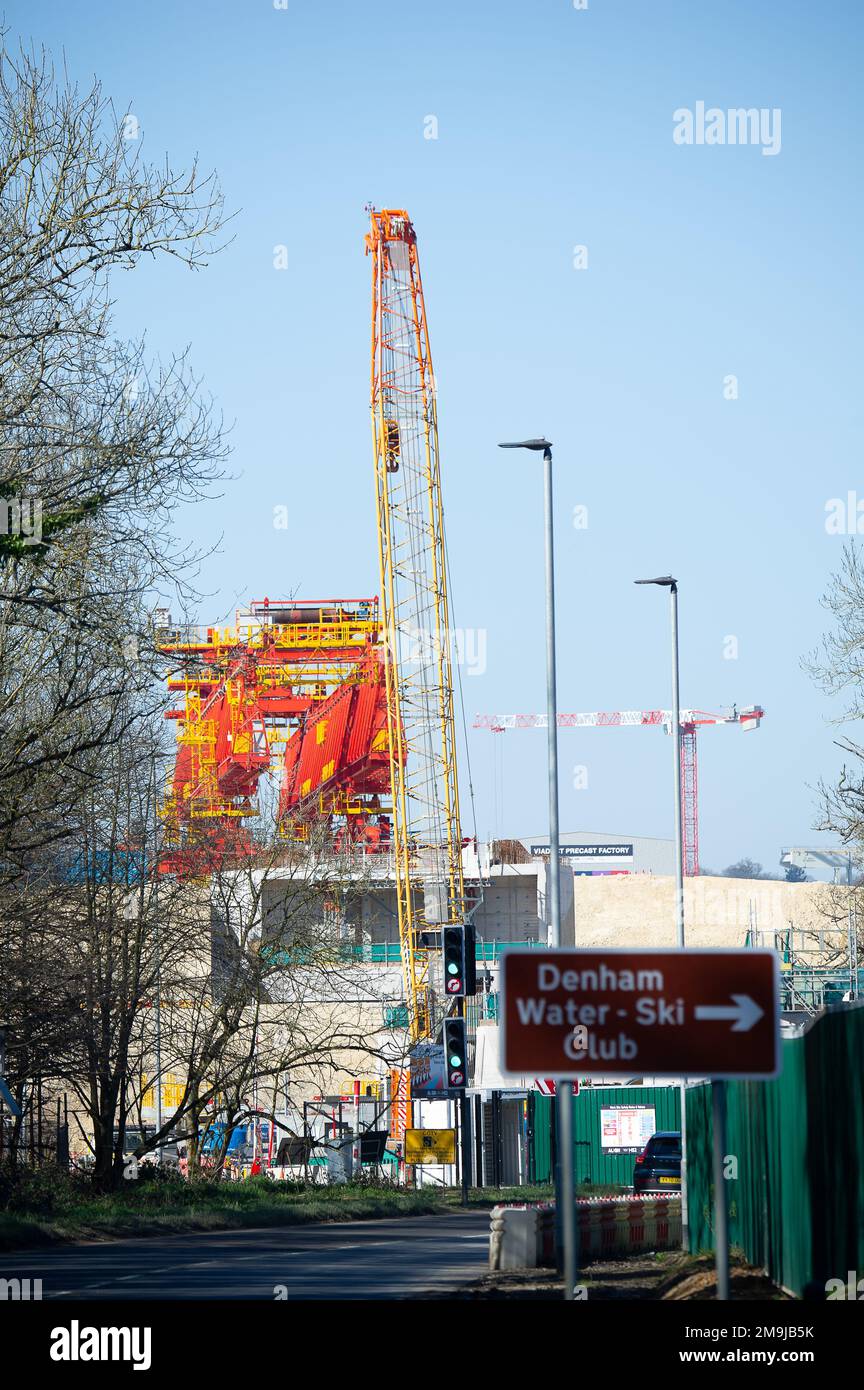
pixel 599 907
pixel 620 910
pixel 356 996
pixel 638 911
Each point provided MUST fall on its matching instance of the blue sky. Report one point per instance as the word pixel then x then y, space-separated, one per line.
pixel 554 130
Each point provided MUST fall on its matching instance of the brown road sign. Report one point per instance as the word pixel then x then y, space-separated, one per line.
pixel 640 1013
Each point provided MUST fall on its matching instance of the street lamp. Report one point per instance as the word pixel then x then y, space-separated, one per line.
pixel 667 582
pixel 565 1196
pixel 554 931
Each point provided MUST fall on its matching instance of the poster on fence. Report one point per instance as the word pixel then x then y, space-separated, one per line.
pixel 428 1072
pixel 626 1129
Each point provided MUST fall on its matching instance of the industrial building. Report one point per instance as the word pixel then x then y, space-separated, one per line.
pixel 602 852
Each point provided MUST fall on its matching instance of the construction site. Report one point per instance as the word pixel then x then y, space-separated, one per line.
pixel 431 859
pixel 340 723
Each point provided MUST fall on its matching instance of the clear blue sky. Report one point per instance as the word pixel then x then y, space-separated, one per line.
pixel 554 129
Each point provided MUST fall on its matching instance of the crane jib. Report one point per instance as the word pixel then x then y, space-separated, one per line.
pixel 414 601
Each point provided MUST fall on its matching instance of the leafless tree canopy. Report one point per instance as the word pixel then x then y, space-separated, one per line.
pixel 98 446
pixel 115 975
pixel 838 667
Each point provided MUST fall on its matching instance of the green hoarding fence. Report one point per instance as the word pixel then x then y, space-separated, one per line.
pixel 595 1161
pixel 796 1206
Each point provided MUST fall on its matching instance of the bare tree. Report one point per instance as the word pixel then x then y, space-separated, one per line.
pixel 233 987
pixel 78 951
pixel 838 668
pixel 280 1001
pixel 745 868
pixel 98 447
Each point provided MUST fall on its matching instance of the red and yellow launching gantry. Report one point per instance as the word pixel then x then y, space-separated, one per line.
pixel 361 704
pixel 305 677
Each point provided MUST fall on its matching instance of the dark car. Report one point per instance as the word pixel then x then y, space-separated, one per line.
pixel 658 1167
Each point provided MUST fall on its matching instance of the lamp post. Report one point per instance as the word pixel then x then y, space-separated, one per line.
pixel 667 582
pixel 672 585
pixel 565 1196
pixel 554 932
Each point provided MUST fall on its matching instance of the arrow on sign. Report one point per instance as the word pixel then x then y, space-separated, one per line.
pixel 745 1012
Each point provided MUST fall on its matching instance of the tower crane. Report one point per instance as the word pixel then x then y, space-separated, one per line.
pixel 427 835
pixel 748 717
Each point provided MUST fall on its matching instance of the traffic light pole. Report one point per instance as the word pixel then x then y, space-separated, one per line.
pixel 460 979
pixel 465 1126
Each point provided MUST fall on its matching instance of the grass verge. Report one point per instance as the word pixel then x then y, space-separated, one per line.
pixel 69 1211
pixel 47 1206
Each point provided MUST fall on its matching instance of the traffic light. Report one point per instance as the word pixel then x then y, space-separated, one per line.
pixel 470 958
pixel 460 965
pixel 455 1054
pixel 453 946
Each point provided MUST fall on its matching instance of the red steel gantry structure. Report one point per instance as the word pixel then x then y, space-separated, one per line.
pixel 303 675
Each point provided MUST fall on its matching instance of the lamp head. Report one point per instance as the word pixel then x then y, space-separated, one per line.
pixel 665 581
pixel 535 444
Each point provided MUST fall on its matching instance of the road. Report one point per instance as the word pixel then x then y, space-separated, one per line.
pixel 395 1258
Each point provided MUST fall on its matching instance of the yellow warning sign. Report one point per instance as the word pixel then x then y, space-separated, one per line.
pixel 430 1146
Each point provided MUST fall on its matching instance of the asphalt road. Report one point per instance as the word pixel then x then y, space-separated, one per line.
pixel 396 1258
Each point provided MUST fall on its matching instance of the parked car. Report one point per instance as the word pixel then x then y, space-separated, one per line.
pixel 658 1167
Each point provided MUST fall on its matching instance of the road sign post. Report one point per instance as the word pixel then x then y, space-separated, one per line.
pixel 465 1131
pixel 721 1205
pixel 677 1013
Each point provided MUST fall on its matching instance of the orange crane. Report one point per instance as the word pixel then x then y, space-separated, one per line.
pixel 748 717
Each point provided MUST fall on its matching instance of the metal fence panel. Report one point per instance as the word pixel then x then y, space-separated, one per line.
pixel 594 1162
pixel 797 1144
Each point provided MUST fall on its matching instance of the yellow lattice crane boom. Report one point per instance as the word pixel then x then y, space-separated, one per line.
pixel 427 835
